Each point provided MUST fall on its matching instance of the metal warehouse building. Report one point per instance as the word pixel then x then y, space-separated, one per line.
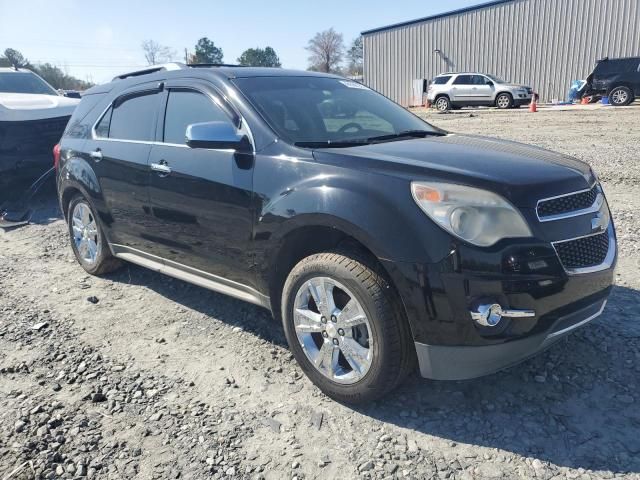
pixel 542 43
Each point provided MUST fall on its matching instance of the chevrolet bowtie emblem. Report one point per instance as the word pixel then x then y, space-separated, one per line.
pixel 597 223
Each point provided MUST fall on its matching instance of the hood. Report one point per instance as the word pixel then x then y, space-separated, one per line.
pixel 28 106
pixel 515 85
pixel 521 173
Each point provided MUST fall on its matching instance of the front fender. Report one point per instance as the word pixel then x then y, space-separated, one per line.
pixel 377 210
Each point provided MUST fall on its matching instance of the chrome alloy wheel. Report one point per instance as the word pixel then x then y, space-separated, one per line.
pixel 85 233
pixel 442 105
pixel 503 101
pixel 619 96
pixel 333 330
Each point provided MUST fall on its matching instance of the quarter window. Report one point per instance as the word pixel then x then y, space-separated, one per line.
pixel 134 118
pixel 185 107
pixel 441 80
pixel 102 129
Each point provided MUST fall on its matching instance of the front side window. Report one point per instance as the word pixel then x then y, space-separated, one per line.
pixel 495 79
pixel 24 82
pixel 320 110
pixel 134 118
pixel 185 107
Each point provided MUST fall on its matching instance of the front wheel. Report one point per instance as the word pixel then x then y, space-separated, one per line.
pixel 345 327
pixel 504 101
pixel 620 96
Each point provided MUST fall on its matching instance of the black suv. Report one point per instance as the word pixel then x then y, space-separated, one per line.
pixel 617 78
pixel 377 239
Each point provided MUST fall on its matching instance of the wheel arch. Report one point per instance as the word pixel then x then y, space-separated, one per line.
pixel 503 92
pixel 322 236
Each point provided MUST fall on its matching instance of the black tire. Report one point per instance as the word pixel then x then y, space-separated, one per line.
pixel 442 104
pixel 620 96
pixel 104 262
pixel 393 353
pixel 504 101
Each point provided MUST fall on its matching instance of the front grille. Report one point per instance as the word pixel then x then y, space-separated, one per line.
pixel 568 203
pixel 583 252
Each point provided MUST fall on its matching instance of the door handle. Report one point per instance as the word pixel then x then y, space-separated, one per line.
pixel 161 167
pixel 96 155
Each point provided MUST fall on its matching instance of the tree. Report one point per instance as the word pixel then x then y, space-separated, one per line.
pixel 58 79
pixel 355 56
pixel 259 57
pixel 326 50
pixel 15 58
pixel 207 52
pixel 155 53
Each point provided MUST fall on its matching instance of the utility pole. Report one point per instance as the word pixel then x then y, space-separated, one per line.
pixel 186 56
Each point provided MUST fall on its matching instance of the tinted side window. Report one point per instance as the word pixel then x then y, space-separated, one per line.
pixel 478 80
pixel 441 80
pixel 134 118
pixel 185 107
pixel 102 128
pixel 463 80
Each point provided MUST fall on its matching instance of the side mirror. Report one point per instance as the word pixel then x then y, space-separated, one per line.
pixel 489 82
pixel 218 135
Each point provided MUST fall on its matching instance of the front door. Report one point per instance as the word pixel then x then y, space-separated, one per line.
pixel 201 199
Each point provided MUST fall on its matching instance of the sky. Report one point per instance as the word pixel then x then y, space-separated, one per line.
pixel 97 40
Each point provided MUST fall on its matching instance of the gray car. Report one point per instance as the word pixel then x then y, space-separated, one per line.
pixel 455 90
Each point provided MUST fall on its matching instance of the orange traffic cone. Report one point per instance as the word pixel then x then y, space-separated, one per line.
pixel 533 106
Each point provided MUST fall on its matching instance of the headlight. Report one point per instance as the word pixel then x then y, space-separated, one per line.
pixel 474 215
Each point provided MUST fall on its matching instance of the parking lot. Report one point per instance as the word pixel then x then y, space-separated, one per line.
pixel 140 375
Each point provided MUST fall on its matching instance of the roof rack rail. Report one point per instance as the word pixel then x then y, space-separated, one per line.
pixel 206 65
pixel 151 69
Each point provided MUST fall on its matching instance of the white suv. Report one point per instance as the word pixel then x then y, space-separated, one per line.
pixel 455 90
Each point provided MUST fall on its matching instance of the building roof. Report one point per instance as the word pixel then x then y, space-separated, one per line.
pixel 434 17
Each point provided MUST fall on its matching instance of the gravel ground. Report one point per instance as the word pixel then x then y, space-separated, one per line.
pixel 137 375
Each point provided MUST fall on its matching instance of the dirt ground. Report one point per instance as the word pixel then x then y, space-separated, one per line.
pixel 137 375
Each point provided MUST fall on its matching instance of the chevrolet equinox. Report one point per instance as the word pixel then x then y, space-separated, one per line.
pixel 379 241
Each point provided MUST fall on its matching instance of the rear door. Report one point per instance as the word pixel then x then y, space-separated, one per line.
pixel 201 199
pixel 462 89
pixel 119 150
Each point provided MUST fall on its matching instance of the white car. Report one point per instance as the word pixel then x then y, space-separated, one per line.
pixel 33 117
pixel 455 90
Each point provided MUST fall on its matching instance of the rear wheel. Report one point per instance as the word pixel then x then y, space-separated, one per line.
pixel 87 239
pixel 346 328
pixel 620 96
pixel 504 101
pixel 443 104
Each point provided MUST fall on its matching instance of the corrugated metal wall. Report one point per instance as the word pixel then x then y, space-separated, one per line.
pixel 542 43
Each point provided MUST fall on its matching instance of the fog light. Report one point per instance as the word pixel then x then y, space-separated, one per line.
pixel 489 315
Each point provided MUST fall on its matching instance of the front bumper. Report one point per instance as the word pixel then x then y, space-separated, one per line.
pixel 520 101
pixel 447 362
pixel 518 275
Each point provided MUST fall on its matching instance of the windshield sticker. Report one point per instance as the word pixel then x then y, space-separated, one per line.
pixel 350 84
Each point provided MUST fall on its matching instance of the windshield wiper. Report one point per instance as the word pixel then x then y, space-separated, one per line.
pixel 330 144
pixel 406 134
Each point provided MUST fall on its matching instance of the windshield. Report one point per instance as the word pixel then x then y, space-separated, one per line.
pixel 496 79
pixel 24 82
pixel 312 111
